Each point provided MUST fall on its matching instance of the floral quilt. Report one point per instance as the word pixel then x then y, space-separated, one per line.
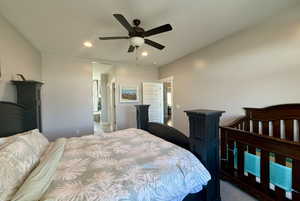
pixel 127 165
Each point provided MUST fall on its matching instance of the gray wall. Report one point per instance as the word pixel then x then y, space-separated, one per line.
pixel 254 68
pixel 131 75
pixel 17 55
pixel 67 96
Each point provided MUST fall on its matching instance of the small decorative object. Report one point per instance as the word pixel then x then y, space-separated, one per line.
pixel 20 77
pixel 129 94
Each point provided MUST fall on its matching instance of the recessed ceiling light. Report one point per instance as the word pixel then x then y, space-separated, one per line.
pixel 94 62
pixel 144 54
pixel 88 44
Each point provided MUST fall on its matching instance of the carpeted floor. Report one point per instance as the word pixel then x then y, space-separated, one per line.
pixel 232 193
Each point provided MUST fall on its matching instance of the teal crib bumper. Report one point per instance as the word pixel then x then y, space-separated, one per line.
pixel 280 175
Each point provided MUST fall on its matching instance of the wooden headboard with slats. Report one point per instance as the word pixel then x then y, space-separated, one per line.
pixel 12 119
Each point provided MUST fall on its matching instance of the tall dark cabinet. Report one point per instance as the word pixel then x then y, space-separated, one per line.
pixel 29 95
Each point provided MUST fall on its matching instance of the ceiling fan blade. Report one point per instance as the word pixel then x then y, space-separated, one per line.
pixel 154 44
pixel 124 22
pixel 131 48
pixel 113 38
pixel 158 30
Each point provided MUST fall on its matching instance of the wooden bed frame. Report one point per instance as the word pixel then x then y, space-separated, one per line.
pixel 262 128
pixel 12 119
pixel 203 143
pixel 203 140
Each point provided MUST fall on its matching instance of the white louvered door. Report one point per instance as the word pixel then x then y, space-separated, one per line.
pixel 153 96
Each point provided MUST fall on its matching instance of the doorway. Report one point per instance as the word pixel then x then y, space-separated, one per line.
pixel 102 96
pixel 168 93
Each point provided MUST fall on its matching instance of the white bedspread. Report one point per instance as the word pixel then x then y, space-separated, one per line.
pixel 128 165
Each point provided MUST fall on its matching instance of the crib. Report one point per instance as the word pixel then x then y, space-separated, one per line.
pixel 260 152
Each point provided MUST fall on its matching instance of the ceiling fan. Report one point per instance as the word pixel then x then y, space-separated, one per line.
pixel 137 35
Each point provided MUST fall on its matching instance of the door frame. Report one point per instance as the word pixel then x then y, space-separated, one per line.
pixel 171 80
pixel 113 105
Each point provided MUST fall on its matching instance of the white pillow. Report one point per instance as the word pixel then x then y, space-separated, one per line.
pixel 19 155
pixel 5 140
pixel 17 160
pixel 32 137
pixel 36 140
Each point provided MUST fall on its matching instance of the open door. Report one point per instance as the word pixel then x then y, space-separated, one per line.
pixel 153 96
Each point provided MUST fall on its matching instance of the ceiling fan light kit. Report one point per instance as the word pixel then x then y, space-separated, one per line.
pixel 137 35
pixel 137 41
pixel 88 44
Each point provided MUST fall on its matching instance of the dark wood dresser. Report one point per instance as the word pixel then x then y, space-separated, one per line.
pixel 29 96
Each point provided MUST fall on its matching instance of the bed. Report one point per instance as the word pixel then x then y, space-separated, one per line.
pixel 261 152
pixel 125 165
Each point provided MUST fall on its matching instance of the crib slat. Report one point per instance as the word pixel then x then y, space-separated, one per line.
pixel 251 178
pixel 255 126
pixel 231 156
pixel 296 182
pixel 289 129
pixel 265 128
pixel 243 125
pixel 223 149
pixel 297 137
pixel 241 149
pixel 265 170
pixel 247 125
pixel 276 128
pixel 280 193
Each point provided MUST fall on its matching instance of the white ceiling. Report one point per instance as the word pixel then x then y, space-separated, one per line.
pixel 62 26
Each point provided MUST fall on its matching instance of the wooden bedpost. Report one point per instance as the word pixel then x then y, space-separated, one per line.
pixel 204 143
pixel 142 116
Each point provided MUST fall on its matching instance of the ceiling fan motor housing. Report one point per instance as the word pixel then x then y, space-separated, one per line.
pixel 136 22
